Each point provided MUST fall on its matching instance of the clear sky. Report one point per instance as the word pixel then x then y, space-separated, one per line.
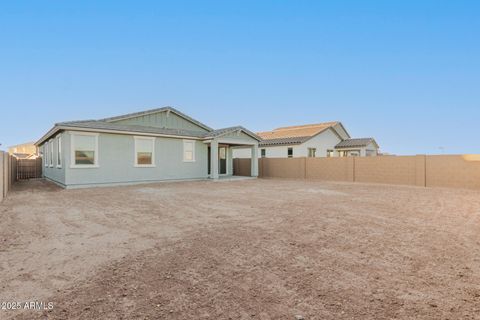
pixel 405 72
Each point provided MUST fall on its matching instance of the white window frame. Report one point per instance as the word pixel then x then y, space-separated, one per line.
pixel 289 156
pixel 137 138
pixel 45 154
pixel 59 152
pixel 50 156
pixel 185 142
pixel 73 165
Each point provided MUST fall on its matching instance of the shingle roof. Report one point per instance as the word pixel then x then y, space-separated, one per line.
pixel 111 125
pixel 302 131
pixel 102 125
pixel 352 143
pixel 220 132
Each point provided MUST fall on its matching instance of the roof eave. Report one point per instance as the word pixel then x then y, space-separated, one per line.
pixel 85 129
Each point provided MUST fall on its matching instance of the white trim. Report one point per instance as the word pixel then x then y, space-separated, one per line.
pixel 91 130
pixel 135 164
pixel 59 152
pixel 236 143
pixel 45 151
pixel 193 150
pixel 50 159
pixel 73 165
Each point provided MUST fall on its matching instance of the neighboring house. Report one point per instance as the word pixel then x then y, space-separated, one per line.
pixel 329 139
pixel 153 145
pixel 24 151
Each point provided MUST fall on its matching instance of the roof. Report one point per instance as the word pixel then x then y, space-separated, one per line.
pixel 221 132
pixel 283 141
pixel 308 130
pixel 156 110
pixel 130 128
pixel 109 124
pixel 294 134
pixel 354 143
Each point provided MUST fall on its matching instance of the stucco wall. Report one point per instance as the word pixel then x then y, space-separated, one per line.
pixel 116 158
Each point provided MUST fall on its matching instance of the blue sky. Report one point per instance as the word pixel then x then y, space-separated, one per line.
pixel 405 72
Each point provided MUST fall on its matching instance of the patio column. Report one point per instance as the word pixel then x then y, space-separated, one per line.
pixel 254 159
pixel 214 159
pixel 229 161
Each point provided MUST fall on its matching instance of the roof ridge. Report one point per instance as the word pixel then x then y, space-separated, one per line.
pixel 303 126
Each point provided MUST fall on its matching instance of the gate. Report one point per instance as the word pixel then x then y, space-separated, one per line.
pixel 29 168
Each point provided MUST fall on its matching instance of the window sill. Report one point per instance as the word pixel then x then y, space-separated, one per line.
pixel 189 161
pixel 144 166
pixel 59 167
pixel 86 166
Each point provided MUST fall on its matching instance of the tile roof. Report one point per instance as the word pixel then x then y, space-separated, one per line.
pixel 302 131
pixel 283 141
pixel 358 142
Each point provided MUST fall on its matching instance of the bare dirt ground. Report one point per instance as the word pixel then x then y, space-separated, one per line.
pixel 255 249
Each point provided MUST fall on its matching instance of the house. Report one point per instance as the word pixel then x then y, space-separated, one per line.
pixel 329 139
pixel 153 145
pixel 24 151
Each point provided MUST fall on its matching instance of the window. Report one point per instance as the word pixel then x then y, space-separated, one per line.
pixel 45 153
pixel 84 150
pixel 312 152
pixel 290 152
pixel 263 153
pixel 329 153
pixel 59 152
pixel 188 150
pixel 50 155
pixel 144 152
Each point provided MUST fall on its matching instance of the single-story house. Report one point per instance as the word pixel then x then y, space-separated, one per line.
pixel 153 145
pixel 329 139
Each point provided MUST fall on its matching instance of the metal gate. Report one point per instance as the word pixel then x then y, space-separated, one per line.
pixel 29 168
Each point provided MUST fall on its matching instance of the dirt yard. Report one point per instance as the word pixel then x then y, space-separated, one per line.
pixel 254 249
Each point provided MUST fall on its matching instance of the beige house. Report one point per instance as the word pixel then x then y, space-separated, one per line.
pixel 329 139
pixel 26 150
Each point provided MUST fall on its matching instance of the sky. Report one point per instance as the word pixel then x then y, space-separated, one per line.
pixel 404 72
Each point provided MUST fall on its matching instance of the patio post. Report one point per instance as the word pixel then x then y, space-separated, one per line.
pixel 214 159
pixel 254 159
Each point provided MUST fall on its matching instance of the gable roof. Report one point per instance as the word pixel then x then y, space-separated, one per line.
pixel 110 125
pixel 157 110
pixel 356 143
pixel 308 130
pixel 224 131
pixel 296 134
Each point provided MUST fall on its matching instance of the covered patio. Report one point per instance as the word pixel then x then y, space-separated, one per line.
pixel 220 155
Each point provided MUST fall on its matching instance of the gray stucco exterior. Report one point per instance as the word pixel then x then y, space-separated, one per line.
pixel 116 151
